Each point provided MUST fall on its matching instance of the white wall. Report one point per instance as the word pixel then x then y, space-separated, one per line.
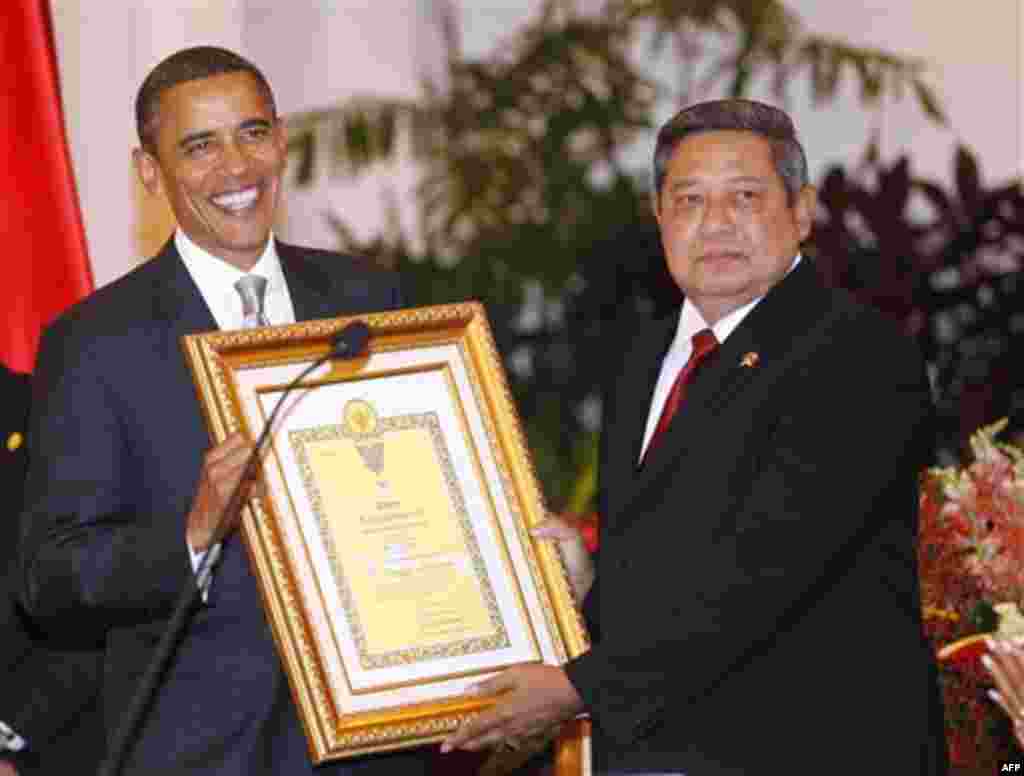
pixel 104 51
pixel 318 51
pixel 974 50
pixel 314 53
pixel 340 50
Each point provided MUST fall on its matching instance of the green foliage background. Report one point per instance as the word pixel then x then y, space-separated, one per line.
pixel 526 205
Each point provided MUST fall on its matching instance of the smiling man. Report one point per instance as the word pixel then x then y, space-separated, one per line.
pixel 215 148
pixel 755 607
pixel 123 496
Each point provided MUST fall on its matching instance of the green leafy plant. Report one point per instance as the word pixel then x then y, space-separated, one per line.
pixel 948 266
pixel 525 203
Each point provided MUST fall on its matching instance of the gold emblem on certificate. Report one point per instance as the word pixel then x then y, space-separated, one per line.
pixel 360 417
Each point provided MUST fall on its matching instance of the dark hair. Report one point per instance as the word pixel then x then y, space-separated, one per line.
pixel 186 65
pixel 771 123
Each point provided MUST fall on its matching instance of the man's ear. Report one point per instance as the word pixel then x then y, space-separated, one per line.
pixel 804 208
pixel 281 136
pixel 148 170
pixel 656 206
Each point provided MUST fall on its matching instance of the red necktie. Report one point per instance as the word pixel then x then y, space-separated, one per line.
pixel 704 344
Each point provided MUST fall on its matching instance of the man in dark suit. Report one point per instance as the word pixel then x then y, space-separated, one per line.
pixel 755 606
pixel 49 709
pixel 121 500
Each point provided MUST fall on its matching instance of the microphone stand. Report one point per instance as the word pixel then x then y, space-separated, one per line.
pixel 350 342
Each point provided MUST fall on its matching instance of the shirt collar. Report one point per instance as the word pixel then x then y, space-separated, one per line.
pixel 691 321
pixel 211 272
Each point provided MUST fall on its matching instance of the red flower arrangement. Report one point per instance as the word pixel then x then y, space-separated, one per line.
pixel 971 560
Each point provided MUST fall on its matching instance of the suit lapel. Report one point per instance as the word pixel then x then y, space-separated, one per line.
pixel 647 346
pixel 176 299
pixel 718 380
pixel 757 352
pixel 178 309
pixel 308 286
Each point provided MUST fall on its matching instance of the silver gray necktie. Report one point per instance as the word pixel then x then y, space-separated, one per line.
pixel 252 289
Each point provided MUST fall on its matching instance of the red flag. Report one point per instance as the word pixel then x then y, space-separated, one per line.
pixel 45 266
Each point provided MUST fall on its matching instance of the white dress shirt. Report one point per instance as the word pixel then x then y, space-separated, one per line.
pixel 215 279
pixel 9 740
pixel 690 322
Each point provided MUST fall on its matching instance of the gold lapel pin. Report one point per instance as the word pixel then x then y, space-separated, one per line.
pixel 750 360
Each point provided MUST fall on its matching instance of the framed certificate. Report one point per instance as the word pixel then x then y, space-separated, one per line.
pixel 391 539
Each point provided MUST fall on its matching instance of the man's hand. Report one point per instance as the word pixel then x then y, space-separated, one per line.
pixel 222 470
pixel 7 768
pixel 578 562
pixel 536 697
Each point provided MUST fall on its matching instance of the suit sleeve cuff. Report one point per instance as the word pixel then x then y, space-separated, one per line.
pixel 623 712
pixel 9 740
pixel 205 580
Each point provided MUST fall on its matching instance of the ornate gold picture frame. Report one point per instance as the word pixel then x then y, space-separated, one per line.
pixel 391 538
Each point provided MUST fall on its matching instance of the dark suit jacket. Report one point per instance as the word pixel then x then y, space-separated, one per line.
pixel 756 597
pixel 47 695
pixel 118 443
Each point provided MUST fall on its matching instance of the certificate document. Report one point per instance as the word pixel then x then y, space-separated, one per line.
pixel 402 548
pixel 391 540
pixel 413 545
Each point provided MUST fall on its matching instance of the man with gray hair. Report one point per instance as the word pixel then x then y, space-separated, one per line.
pixel 755 604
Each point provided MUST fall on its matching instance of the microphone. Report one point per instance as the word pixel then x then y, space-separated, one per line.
pixel 348 343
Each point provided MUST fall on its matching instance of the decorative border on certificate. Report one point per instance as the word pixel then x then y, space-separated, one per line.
pixel 365 431
pixel 360 681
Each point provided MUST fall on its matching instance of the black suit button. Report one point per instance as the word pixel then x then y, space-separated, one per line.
pixel 646 726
